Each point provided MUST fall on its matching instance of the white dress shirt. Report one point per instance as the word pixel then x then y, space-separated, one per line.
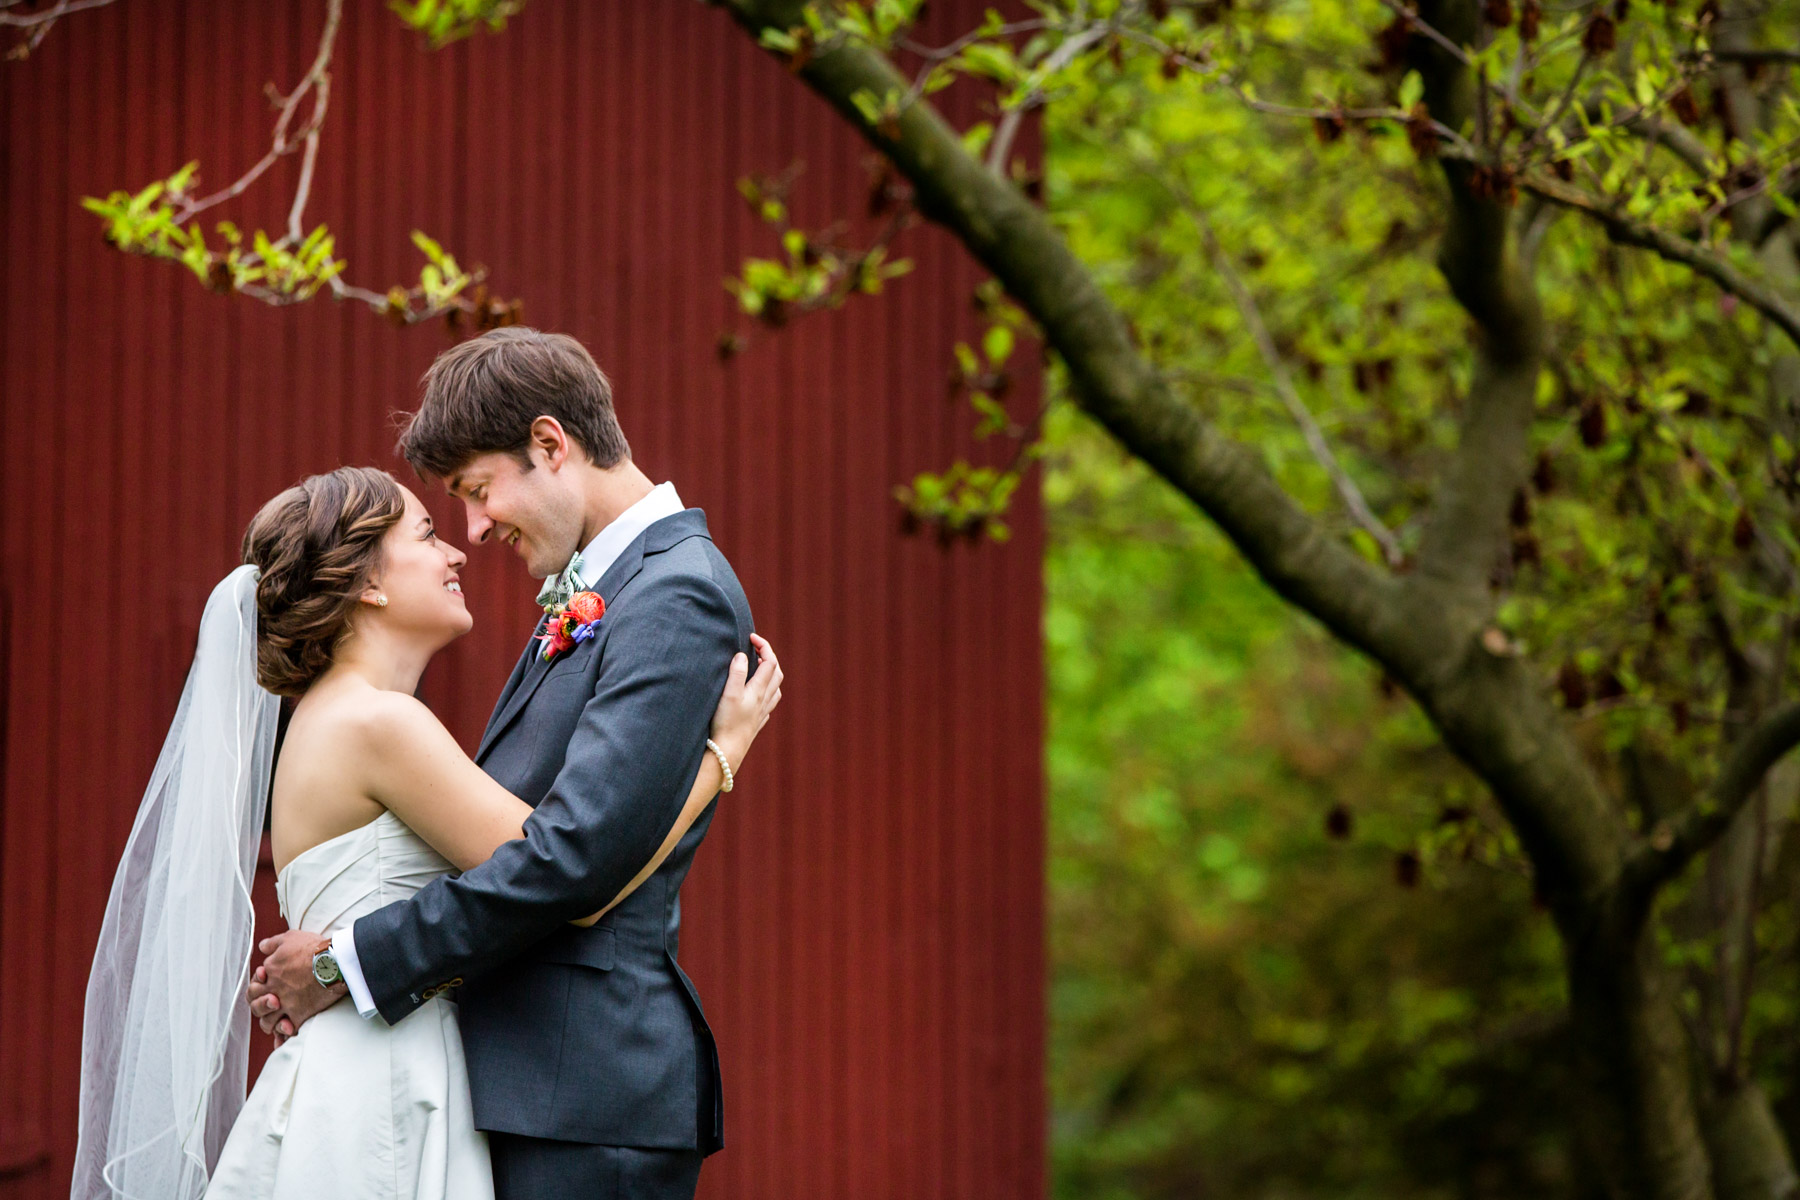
pixel 599 555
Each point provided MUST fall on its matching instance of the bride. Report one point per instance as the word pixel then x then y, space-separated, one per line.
pixel 346 594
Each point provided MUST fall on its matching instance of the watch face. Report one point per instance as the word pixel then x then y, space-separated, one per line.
pixel 325 970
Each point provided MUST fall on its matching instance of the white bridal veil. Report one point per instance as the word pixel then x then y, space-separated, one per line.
pixel 165 1045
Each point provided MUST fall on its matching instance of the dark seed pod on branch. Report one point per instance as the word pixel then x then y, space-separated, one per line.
pixel 1407 868
pixel 1543 475
pixel 1339 822
pixel 1620 10
pixel 1525 549
pixel 1571 686
pixel 1531 15
pixel 1159 9
pixel 1563 169
pixel 1392 42
pixel 1600 36
pixel 1743 530
pixel 1519 515
pixel 1721 106
pixel 803 51
pixel 1607 685
pixel 1498 13
pixel 1494 182
pixel 1685 107
pixel 1678 713
pixel 1593 423
pixel 1421 134
pixel 1329 126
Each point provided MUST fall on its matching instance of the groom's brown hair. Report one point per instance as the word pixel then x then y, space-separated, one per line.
pixel 481 396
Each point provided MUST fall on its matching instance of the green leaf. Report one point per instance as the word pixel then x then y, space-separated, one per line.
pixel 1412 90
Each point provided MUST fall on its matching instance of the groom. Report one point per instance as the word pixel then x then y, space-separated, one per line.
pixel 591 1065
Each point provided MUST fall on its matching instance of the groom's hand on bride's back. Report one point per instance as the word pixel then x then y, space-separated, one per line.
pixel 283 994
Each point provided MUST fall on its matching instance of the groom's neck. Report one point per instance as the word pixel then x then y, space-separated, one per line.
pixel 608 491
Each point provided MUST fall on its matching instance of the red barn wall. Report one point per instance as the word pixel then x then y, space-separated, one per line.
pixel 866 921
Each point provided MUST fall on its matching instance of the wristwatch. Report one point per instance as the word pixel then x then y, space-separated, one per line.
pixel 325 968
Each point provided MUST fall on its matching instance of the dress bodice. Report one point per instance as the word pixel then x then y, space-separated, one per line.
pixel 376 1111
pixel 328 886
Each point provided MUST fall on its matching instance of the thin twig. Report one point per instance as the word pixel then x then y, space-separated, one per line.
pixel 1247 308
pixel 1062 56
pixel 50 15
pixel 317 81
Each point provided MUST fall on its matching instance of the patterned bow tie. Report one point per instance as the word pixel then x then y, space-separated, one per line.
pixel 559 588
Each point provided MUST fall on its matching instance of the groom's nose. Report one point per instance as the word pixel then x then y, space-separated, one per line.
pixel 480 525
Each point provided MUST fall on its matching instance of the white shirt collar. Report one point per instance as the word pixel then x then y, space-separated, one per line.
pixel 610 542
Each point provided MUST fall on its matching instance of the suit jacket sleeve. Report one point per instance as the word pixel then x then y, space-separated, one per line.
pixel 627 773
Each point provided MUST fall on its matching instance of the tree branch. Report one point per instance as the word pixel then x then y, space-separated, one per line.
pixel 1466 527
pixel 317 80
pixel 1113 383
pixel 1674 843
pixel 1752 54
pixel 1628 231
pixel 39 23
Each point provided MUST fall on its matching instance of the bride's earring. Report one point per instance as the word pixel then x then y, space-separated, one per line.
pixel 381 600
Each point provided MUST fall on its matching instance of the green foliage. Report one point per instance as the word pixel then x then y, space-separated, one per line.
pixel 150 222
pixel 446 21
pixel 1242 1003
pixel 819 271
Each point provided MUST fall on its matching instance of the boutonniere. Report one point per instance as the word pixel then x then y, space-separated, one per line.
pixel 572 623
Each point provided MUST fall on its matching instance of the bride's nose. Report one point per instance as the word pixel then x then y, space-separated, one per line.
pixel 457 557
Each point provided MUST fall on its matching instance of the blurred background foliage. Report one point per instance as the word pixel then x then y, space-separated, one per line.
pixel 1296 951
pixel 1293 952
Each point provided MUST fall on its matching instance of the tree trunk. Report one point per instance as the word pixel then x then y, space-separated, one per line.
pixel 1750 1153
pixel 1637 1112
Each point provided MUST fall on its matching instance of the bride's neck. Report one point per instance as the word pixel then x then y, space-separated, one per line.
pixel 382 660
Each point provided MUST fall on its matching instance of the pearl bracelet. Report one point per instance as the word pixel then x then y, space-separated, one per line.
pixel 724 764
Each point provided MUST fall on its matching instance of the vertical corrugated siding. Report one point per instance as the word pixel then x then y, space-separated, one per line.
pixel 866 920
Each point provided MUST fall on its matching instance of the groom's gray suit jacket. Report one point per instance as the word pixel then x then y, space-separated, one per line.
pixel 587 1035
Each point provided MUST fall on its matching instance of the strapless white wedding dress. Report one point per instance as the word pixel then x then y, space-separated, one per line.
pixel 355 1109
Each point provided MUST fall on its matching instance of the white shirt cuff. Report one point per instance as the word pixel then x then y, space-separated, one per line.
pixel 343 948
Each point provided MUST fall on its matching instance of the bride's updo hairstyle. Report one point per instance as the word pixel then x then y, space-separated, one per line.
pixel 316 544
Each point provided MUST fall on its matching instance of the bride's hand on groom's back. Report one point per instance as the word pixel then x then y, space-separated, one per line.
pixel 747 701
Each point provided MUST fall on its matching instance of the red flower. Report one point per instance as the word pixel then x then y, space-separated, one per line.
pixel 586 607
pixel 556 637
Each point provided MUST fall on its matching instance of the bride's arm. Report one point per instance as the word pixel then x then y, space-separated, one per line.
pixel 417 770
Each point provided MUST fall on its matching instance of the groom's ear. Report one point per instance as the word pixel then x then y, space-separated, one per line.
pixel 551 441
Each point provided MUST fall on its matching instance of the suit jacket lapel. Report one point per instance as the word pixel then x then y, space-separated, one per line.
pixel 658 537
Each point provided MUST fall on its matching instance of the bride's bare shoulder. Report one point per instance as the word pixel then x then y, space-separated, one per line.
pixel 353 715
